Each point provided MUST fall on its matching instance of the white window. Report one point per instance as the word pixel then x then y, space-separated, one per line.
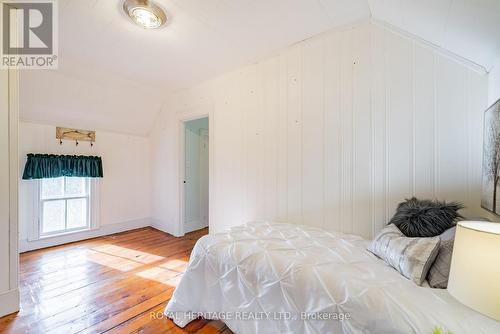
pixel 65 205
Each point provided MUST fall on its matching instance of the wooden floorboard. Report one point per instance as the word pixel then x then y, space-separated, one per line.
pixel 112 284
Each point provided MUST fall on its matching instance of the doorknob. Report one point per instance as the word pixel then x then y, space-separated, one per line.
pixel 184 181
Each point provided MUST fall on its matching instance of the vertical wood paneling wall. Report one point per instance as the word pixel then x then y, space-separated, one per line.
pixel 333 132
pixel 494 83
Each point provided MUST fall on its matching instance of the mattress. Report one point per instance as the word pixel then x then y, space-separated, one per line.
pixel 267 277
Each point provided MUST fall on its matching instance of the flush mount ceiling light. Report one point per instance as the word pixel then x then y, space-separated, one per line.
pixel 145 13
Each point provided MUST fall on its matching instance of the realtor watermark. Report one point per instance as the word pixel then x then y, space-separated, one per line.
pixel 29 34
pixel 275 316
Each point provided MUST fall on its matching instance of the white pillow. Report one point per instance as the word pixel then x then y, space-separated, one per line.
pixel 412 257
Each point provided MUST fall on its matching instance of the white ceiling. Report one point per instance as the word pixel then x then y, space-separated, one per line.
pixel 204 38
pixel 468 28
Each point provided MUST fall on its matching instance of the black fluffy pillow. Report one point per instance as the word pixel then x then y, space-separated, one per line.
pixel 425 218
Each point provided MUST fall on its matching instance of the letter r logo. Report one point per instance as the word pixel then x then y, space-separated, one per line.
pixel 35 31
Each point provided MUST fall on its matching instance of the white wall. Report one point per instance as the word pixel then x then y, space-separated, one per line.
pixel 494 83
pixel 333 132
pixel 193 216
pixel 124 191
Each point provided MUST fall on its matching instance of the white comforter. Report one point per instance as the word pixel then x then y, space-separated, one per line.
pixel 281 278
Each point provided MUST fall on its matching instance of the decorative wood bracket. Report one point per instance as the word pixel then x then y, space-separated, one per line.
pixel 75 134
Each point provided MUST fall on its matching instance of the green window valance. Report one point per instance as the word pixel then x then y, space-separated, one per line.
pixel 42 166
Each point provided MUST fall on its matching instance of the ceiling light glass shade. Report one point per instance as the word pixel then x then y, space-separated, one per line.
pixel 145 13
pixel 145 18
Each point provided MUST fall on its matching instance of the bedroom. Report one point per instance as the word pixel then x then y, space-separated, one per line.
pixel 322 114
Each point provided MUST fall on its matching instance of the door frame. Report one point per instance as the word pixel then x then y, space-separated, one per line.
pixel 10 299
pixel 191 115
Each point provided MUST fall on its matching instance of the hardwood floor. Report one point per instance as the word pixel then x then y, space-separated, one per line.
pixel 114 284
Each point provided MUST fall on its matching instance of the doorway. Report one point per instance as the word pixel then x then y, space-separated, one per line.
pixel 196 174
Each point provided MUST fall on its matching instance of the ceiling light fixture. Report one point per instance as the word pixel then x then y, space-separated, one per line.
pixel 145 13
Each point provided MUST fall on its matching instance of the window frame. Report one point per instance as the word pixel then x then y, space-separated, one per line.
pixel 35 232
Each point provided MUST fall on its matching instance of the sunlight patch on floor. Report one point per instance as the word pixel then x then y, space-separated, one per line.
pixel 175 265
pixel 124 259
pixel 127 253
pixel 112 261
pixel 158 274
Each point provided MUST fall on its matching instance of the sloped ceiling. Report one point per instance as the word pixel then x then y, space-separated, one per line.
pixel 468 28
pixel 114 75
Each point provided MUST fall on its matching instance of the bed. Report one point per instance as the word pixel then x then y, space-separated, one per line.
pixel 266 277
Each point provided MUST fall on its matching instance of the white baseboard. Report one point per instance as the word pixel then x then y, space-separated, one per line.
pixel 25 245
pixel 159 225
pixel 193 226
pixel 189 227
pixel 9 302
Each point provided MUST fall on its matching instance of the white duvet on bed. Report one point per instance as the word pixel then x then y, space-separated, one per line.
pixel 279 278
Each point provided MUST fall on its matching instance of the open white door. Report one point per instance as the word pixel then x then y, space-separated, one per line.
pixel 196 175
pixel 204 181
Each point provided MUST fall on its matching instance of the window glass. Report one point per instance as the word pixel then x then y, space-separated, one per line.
pixel 52 188
pixel 53 216
pixel 77 213
pixel 75 186
pixel 64 204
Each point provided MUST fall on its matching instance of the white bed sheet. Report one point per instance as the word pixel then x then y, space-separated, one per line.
pixel 279 278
